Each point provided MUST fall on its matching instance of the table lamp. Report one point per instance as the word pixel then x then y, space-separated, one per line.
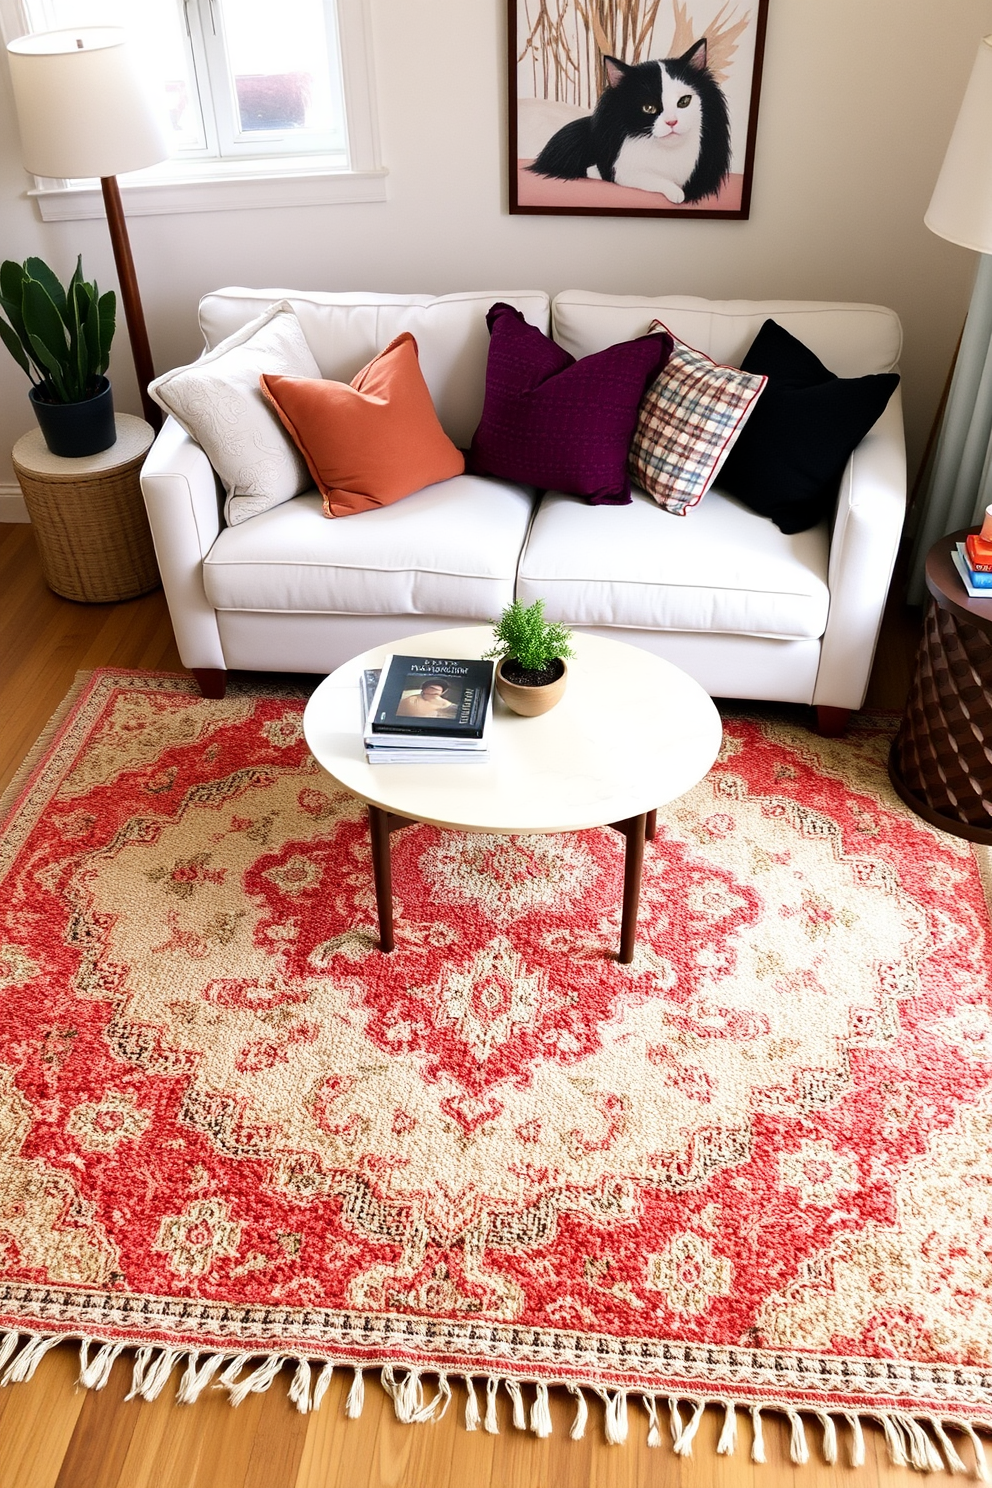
pixel 84 110
pixel 960 210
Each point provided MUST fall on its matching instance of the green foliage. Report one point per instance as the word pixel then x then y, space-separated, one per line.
pixel 523 635
pixel 59 336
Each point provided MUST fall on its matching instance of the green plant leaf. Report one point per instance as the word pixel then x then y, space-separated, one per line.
pixel 91 330
pixel 12 341
pixel 79 305
pixel 75 313
pixel 37 269
pixel 54 370
pixel 47 336
pixel 72 331
pixel 522 634
pixel 108 324
pixel 12 277
pixel 54 378
pixel 77 278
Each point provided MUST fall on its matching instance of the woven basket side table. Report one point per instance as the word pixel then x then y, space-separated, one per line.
pixel 89 517
pixel 941 759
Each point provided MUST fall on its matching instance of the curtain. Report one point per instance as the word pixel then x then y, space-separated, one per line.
pixel 959 487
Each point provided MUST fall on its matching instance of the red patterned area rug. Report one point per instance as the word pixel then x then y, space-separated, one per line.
pixel 753 1169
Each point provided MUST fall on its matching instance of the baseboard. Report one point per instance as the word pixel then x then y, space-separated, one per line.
pixel 12 508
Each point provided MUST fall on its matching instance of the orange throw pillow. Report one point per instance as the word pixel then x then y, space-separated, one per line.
pixel 371 442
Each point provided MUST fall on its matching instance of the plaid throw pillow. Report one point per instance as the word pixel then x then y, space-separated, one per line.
pixel 688 421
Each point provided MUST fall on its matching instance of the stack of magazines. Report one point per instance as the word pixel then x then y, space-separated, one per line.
pixel 427 711
pixel 973 561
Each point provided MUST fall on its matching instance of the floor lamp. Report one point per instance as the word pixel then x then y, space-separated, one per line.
pixel 83 109
pixel 960 210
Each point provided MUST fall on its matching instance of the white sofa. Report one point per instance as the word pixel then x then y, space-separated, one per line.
pixel 748 611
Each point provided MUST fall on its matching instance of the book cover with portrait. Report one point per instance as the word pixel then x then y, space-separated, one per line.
pixel 432 697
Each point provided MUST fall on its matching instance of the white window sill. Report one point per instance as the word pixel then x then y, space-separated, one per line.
pixel 211 186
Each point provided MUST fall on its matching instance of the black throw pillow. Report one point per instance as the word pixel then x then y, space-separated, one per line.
pixel 791 454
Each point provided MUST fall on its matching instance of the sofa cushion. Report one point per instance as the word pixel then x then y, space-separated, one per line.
pixel 789 459
pixel 636 567
pixel 852 340
pixel 345 331
pixel 218 402
pixel 558 423
pixel 370 441
pixel 691 417
pixel 450 549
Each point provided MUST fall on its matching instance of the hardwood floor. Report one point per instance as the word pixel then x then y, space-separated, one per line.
pixel 53 1435
pixel 45 640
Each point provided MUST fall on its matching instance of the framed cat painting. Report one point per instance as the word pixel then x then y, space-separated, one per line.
pixel 634 108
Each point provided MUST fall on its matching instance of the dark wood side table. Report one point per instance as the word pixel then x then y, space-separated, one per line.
pixel 941 759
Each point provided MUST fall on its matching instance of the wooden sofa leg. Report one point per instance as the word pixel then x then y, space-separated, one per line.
pixel 832 722
pixel 212 681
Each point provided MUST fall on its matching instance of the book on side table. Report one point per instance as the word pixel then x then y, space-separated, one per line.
pixel 978 584
pixel 426 710
pixel 978 553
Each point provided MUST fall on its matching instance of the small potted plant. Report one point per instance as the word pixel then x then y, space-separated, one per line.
pixel 61 338
pixel 531 674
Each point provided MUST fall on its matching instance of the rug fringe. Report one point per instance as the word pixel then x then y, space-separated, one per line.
pixel 758 1437
pixel 517 1396
pixel 197 1377
pixel 94 1373
pixel 616 1423
pixel 922 1442
pixel 320 1388
pixel 7 1346
pixel 829 1437
pixel 408 1399
pixel 578 1430
pixel 492 1422
pixel 356 1396
pixel 472 1417
pixel 728 1436
pixel 540 1412
pixel 857 1440
pixel 24 1360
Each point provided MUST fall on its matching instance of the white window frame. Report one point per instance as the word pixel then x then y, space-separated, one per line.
pixel 206 26
pixel 259 181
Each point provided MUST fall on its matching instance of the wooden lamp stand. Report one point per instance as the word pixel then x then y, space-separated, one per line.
pixel 131 298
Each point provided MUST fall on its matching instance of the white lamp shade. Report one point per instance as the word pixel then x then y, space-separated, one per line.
pixel 961 206
pixel 83 105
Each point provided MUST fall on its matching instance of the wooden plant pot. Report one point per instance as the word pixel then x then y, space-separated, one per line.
pixel 529 702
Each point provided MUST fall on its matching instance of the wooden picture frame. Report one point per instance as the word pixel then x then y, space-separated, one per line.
pixel 565 55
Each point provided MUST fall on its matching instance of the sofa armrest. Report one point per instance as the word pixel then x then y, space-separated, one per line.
pixel 180 492
pixel 863 546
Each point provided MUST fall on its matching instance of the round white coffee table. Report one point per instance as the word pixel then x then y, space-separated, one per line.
pixel 631 733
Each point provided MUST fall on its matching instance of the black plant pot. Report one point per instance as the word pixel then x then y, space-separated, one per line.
pixel 74 429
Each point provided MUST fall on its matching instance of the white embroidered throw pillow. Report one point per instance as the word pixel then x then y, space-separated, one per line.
pixel 689 420
pixel 219 403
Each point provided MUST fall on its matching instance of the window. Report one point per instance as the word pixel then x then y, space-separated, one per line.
pixel 253 90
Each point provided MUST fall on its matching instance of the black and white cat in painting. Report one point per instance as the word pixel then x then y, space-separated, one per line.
pixel 659 126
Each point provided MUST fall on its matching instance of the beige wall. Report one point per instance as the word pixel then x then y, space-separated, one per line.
pixel 858 101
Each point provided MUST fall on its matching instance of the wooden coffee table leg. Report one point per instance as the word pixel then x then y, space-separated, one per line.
pixel 633 859
pixel 651 826
pixel 382 870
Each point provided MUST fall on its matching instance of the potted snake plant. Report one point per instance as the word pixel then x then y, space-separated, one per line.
pixel 532 673
pixel 60 336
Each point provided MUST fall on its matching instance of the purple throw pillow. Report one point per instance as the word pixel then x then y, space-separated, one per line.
pixel 553 422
